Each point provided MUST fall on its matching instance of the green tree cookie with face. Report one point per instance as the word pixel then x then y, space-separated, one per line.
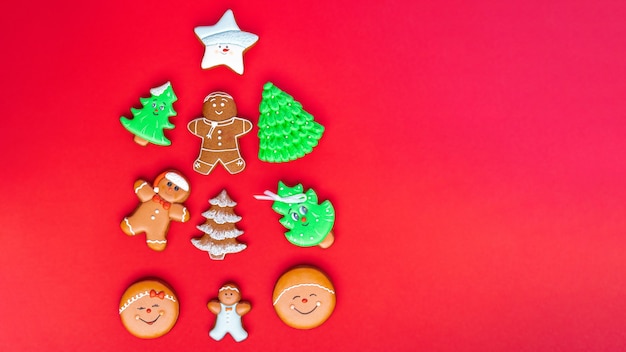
pixel 309 223
pixel 148 122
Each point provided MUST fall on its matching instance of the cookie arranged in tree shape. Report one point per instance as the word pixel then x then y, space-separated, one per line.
pixel 149 309
pixel 229 309
pixel 220 229
pixel 304 297
pixel 159 204
pixel 309 224
pixel 148 122
pixel 225 43
pixel 220 129
pixel 286 131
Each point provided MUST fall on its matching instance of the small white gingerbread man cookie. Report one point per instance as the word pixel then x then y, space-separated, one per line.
pixel 229 309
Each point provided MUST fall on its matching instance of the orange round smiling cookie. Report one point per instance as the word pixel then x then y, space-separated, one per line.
pixel 304 297
pixel 149 309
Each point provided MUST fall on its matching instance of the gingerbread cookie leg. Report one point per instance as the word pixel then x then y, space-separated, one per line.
pixel 203 167
pixel 235 166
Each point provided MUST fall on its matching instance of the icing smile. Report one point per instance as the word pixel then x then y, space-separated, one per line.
pixel 157 318
pixel 305 313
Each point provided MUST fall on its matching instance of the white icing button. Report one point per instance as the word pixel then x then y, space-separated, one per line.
pixel 156 211
pixel 219 137
pixel 152 217
pixel 219 143
pixel 219 132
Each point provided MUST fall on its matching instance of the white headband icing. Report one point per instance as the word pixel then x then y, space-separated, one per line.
pixel 138 296
pixel 293 199
pixel 300 285
pixel 178 180
pixel 217 94
pixel 228 288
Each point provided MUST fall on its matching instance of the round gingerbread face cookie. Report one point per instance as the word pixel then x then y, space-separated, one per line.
pixel 304 297
pixel 149 309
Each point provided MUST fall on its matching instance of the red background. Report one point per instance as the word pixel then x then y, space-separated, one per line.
pixel 474 152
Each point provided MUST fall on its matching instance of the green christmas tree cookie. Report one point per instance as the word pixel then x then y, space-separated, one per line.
pixel 148 122
pixel 286 131
pixel 309 224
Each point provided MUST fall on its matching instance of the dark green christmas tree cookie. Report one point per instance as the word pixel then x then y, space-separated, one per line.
pixel 148 122
pixel 286 131
pixel 309 224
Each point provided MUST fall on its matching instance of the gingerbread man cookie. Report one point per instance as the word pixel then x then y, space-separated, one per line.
pixel 229 309
pixel 159 205
pixel 220 129
pixel 149 309
pixel 304 297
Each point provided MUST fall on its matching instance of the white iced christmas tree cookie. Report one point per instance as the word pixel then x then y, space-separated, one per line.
pixel 220 229
pixel 225 43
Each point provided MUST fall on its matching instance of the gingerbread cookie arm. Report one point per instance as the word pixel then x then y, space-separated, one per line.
pixel 192 126
pixel 143 190
pixel 178 212
pixel 243 308
pixel 214 307
pixel 247 126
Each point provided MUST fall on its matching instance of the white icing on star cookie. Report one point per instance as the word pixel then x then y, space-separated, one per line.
pixel 225 43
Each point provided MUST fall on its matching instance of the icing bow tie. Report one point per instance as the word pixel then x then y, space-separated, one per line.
pixel 166 205
pixel 160 295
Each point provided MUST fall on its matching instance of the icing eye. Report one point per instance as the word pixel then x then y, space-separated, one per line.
pixel 155 305
pixel 214 105
pixel 176 188
pixel 312 294
pixel 303 210
pixel 162 107
pixel 295 216
pixel 154 105
pixel 169 184
pixel 141 308
pixel 296 297
pixel 222 104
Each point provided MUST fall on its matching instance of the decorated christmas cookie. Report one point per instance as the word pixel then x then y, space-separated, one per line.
pixel 225 43
pixel 220 129
pixel 220 229
pixel 286 131
pixel 304 297
pixel 229 309
pixel 309 223
pixel 148 122
pixel 149 309
pixel 159 204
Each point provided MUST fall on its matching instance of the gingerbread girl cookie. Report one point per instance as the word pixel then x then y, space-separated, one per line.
pixel 160 204
pixel 220 129
pixel 149 308
pixel 229 310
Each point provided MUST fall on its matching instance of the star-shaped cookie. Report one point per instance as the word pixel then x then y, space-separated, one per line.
pixel 225 43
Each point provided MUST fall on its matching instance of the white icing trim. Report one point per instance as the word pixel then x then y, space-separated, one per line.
pixel 217 94
pixel 219 235
pixel 221 217
pixel 223 200
pixel 159 90
pixel 301 285
pixel 141 186
pixel 138 296
pixel 228 288
pixel 184 213
pixel 292 199
pixel 156 241
pixel 129 227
